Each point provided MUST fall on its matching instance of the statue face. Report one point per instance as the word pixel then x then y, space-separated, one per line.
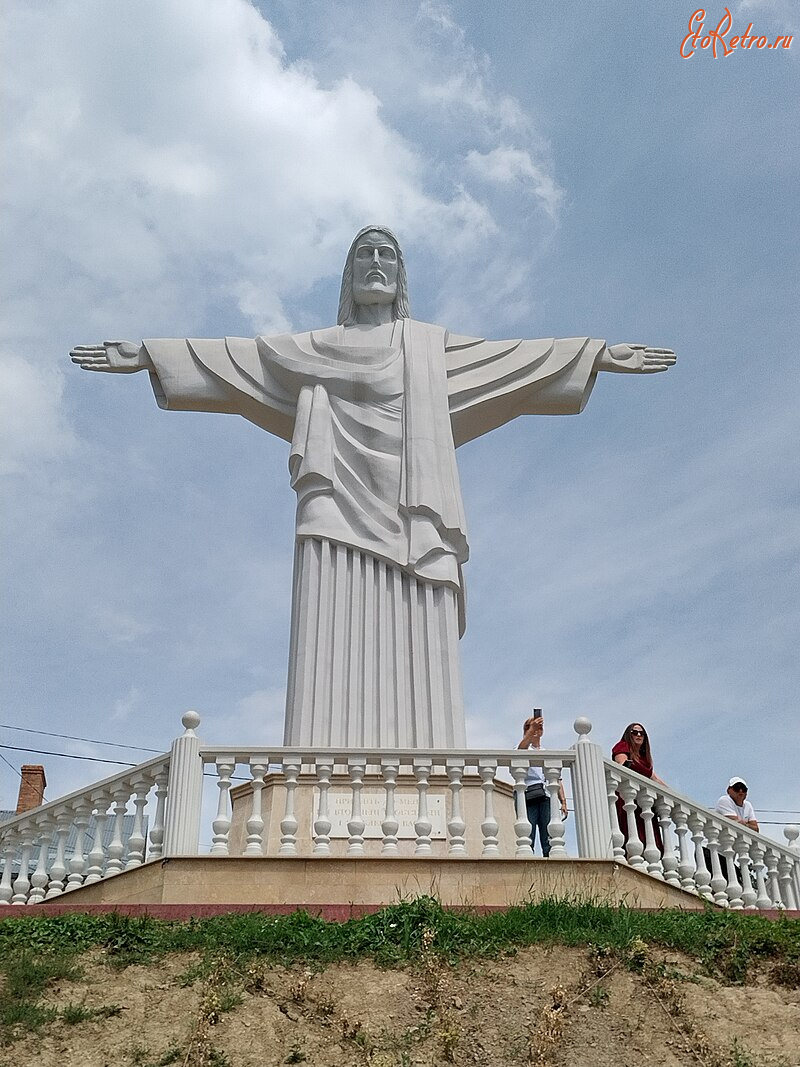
pixel 374 270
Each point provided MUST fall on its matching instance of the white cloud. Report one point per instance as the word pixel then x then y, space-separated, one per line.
pixel 33 429
pixel 509 166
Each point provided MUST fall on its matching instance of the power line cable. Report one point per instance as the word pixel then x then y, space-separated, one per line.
pixel 67 755
pixel 70 737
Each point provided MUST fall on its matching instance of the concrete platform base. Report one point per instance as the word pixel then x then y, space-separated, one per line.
pixel 310 883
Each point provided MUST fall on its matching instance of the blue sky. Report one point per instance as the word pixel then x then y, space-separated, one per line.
pixel 198 168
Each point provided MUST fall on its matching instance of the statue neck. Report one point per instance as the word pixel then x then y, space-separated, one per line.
pixel 374 314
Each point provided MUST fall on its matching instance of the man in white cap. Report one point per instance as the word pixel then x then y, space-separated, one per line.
pixel 733 803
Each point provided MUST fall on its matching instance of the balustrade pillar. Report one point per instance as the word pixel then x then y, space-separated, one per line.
pixel 633 846
pixel 185 792
pixel 593 824
pixel 734 891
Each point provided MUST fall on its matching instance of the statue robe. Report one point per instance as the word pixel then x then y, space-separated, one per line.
pixel 378 596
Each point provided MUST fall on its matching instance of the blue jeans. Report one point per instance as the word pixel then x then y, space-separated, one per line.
pixel 538 809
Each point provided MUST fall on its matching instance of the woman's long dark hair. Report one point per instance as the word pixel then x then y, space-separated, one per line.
pixel 644 752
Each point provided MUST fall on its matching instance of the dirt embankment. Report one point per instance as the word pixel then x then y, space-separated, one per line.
pixel 540 1006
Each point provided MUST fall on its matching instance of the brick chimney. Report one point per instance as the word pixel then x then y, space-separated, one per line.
pixel 31 788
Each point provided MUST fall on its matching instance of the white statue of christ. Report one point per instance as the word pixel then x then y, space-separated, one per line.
pixel 374 409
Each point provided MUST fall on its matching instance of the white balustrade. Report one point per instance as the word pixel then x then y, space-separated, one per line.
pixel 102 831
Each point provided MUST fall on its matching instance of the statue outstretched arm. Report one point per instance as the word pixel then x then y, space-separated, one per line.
pixel 117 357
pixel 635 359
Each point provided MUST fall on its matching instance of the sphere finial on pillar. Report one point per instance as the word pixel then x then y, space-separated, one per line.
pixel 190 720
pixel 582 727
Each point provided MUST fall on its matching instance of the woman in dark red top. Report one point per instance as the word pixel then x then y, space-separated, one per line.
pixel 633 751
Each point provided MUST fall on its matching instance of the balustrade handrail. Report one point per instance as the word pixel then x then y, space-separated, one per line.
pixel 86 793
pixel 721 820
pixel 372 756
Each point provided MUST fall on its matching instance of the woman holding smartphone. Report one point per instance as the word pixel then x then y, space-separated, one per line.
pixel 537 799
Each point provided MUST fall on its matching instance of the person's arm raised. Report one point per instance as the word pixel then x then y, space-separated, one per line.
pixel 116 357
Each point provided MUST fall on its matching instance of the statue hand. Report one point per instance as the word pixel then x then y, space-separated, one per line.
pixel 118 357
pixel 635 359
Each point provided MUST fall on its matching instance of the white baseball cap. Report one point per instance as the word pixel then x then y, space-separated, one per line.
pixel 737 781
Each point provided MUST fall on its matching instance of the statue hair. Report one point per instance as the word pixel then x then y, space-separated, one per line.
pixel 347 311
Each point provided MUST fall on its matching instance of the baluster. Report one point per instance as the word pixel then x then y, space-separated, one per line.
pixel 748 893
pixel 652 853
pixel 116 846
pixel 617 836
pixel 685 865
pixel 773 878
pixel 58 868
pixel 39 878
pixel 22 884
pixel 787 896
pixel 718 881
pixel 96 857
pixel 355 824
pixel 291 767
pixel 733 890
pixel 522 828
pixel 137 840
pixel 791 833
pixel 555 828
pixel 422 824
pixel 157 829
pixel 669 857
pixel 77 861
pixel 390 768
pixel 9 851
pixel 633 846
pixel 255 823
pixel 762 896
pixel 702 875
pixel 222 823
pixel 489 826
pixel 456 825
pixel 322 823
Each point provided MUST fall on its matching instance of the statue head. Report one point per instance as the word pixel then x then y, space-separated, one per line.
pixel 381 281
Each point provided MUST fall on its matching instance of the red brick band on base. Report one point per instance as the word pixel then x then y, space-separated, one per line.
pixel 329 912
